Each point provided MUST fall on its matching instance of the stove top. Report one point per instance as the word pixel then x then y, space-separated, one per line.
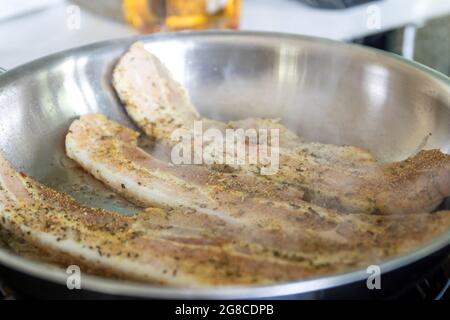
pixel 435 286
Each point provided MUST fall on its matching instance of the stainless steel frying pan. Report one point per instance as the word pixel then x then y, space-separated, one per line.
pixel 325 91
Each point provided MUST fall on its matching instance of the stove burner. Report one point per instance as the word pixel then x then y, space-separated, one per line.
pixel 434 286
pixel 5 293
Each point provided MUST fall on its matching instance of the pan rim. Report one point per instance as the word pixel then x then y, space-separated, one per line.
pixel 57 275
pixel 117 287
pixel 437 75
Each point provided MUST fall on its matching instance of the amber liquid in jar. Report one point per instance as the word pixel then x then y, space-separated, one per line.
pixel 171 15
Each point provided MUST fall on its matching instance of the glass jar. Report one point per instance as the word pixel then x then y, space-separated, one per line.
pixel 171 15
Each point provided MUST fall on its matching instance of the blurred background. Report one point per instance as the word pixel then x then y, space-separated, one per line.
pixel 416 29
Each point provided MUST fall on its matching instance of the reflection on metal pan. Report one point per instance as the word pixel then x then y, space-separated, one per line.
pixel 325 91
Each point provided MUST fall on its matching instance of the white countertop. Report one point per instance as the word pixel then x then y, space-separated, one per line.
pixel 42 32
pixel 292 16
